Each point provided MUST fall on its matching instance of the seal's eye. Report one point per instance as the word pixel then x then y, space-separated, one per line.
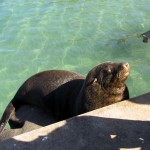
pixel 109 71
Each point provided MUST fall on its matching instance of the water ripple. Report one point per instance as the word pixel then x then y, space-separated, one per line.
pixel 72 35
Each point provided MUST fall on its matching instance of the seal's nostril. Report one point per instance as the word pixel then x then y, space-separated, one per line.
pixel 125 65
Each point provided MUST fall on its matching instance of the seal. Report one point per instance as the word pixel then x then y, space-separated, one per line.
pixel 65 94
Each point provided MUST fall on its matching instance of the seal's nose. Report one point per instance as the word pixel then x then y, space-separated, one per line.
pixel 126 65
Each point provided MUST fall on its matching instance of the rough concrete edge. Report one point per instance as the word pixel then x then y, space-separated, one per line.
pixel 43 131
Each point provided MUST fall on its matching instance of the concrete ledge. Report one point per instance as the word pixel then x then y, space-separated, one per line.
pixel 124 125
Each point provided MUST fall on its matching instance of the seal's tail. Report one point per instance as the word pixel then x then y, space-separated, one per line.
pixel 6 116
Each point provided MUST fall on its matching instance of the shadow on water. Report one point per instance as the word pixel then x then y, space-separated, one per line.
pixel 123 46
pixel 92 133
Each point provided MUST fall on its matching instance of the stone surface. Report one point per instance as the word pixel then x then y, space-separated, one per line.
pixel 124 125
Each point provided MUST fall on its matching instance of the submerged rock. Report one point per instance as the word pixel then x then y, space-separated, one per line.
pixel 146 36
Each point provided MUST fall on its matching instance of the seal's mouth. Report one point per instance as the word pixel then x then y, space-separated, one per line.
pixel 124 71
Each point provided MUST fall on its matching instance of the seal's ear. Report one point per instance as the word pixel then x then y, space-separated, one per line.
pixel 90 80
pixel 95 80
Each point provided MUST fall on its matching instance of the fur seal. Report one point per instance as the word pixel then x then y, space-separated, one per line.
pixel 65 94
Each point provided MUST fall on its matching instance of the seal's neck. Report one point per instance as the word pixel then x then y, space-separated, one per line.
pixel 95 97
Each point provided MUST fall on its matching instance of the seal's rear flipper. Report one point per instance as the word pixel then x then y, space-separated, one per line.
pixel 14 122
pixel 9 111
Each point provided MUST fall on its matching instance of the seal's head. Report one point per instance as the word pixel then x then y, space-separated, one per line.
pixel 109 75
pixel 105 84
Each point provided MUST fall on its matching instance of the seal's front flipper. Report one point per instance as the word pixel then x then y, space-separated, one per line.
pixel 9 111
pixel 14 122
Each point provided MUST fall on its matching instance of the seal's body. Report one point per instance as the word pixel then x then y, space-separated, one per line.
pixel 65 94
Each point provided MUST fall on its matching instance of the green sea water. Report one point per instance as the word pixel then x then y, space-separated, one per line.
pixel 73 35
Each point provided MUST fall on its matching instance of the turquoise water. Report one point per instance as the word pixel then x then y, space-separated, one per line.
pixel 72 35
